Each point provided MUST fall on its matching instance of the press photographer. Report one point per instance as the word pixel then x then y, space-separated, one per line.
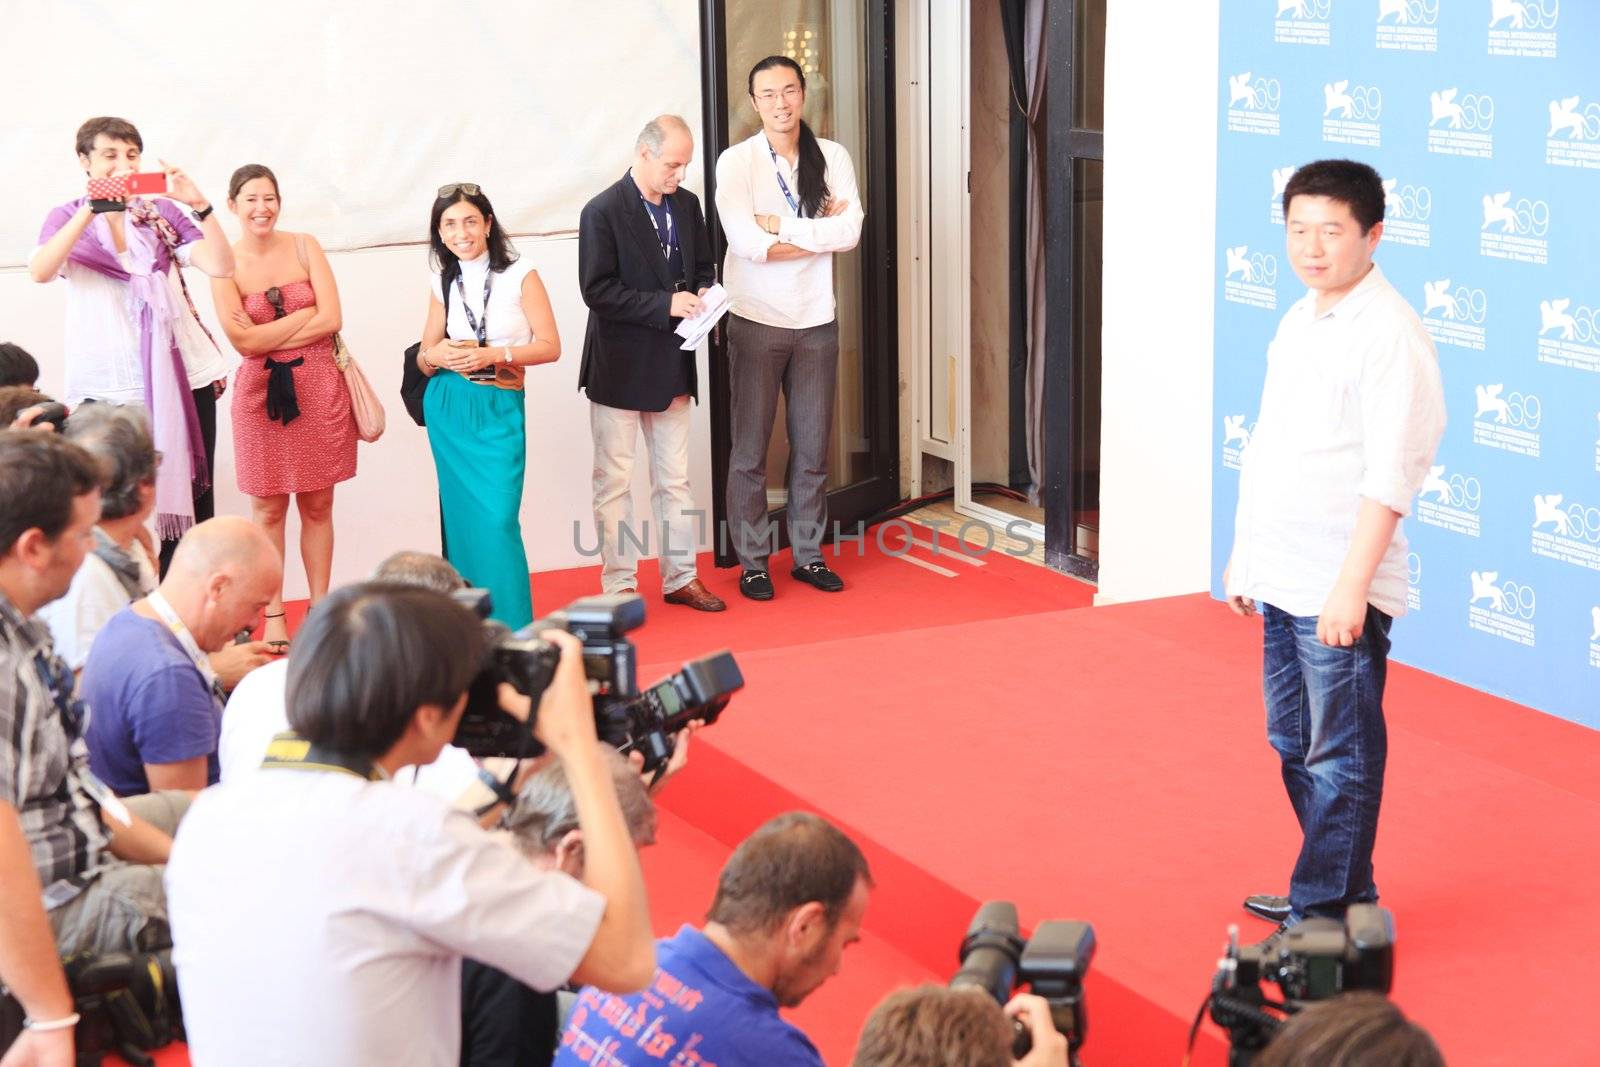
pixel 1313 963
pixel 981 1020
pixel 322 911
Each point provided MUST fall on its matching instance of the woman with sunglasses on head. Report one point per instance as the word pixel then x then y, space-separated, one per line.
pixel 489 319
pixel 293 433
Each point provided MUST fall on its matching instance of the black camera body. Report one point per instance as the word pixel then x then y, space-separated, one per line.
pixel 996 959
pixel 1312 960
pixel 624 717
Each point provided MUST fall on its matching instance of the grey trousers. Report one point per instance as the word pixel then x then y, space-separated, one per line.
pixel 804 365
pixel 115 912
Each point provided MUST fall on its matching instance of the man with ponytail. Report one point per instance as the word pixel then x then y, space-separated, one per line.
pixel 787 201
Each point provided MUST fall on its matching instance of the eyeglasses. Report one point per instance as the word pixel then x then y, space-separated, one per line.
pixel 275 298
pixel 767 98
pixel 466 187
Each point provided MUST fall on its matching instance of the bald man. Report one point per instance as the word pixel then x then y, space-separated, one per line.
pixel 644 261
pixel 154 696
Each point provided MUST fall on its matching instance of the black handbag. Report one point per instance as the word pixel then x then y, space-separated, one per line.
pixel 413 384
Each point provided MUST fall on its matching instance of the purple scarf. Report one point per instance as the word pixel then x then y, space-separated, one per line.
pixel 152 237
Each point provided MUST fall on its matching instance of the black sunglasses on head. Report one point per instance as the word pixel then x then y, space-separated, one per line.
pixel 470 188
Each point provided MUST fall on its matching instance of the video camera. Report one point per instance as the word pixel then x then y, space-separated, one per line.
pixel 996 959
pixel 625 718
pixel 1312 960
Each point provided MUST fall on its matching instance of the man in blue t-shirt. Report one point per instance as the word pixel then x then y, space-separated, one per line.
pixel 155 708
pixel 788 901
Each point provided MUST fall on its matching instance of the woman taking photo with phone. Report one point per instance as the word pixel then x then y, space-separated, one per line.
pixel 293 433
pixel 133 336
pixel 489 319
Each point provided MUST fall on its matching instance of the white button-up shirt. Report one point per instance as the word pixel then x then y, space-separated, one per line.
pixel 1353 408
pixel 791 294
pixel 320 918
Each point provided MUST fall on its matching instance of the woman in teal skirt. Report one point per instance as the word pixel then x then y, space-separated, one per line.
pixel 489 319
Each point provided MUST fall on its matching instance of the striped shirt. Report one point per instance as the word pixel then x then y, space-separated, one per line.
pixel 42 759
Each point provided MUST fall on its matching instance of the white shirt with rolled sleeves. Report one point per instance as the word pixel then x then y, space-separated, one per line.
pixel 320 918
pixel 1352 409
pixel 791 294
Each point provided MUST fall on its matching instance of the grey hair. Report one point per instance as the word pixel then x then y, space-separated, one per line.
pixel 545 811
pixel 654 134
pixel 420 568
pixel 119 438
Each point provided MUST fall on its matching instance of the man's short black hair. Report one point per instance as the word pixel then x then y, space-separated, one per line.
pixel 791 860
pixel 17 366
pixel 1354 184
pixel 369 655
pixel 40 477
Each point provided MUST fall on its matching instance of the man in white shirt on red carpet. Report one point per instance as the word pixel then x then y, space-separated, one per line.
pixel 787 201
pixel 1351 414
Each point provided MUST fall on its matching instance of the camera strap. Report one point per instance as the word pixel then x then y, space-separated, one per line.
pixel 290 751
pixel 202 663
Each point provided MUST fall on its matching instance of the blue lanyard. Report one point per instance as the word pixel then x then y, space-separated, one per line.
pixel 481 329
pixel 670 241
pixel 794 205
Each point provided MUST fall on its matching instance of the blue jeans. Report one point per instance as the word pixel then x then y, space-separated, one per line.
pixel 1325 719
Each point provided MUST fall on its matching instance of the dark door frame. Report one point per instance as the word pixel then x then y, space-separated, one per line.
pixel 1066 144
pixel 860 500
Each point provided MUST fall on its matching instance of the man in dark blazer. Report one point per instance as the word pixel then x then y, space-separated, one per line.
pixel 644 261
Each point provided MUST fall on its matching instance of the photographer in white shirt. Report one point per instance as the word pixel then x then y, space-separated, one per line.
pixel 362 896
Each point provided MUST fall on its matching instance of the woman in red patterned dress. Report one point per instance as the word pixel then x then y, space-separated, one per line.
pixel 293 432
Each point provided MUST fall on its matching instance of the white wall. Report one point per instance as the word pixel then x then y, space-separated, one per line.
pixel 1159 278
pixel 392 503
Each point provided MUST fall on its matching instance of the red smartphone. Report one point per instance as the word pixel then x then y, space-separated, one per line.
pixel 125 185
pixel 147 184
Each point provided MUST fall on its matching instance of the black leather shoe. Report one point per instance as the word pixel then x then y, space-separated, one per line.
pixel 816 573
pixel 1274 909
pixel 757 585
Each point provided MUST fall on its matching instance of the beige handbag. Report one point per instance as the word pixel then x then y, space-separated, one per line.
pixel 364 403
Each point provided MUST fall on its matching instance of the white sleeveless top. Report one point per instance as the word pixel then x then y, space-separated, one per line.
pixel 508 325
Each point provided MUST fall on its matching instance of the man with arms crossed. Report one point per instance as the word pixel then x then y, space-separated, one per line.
pixel 1351 414
pixel 644 261
pixel 787 201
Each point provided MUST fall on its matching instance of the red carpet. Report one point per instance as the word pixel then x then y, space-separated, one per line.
pixel 1109 765
pixel 982 740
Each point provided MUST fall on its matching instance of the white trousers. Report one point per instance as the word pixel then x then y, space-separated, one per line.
pixel 672 534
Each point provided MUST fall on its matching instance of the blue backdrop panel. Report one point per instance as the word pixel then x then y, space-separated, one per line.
pixel 1483 116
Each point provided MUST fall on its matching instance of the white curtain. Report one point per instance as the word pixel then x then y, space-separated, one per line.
pixel 1035 65
pixel 362 107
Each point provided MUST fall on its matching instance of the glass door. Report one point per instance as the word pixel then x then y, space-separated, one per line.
pixel 848 100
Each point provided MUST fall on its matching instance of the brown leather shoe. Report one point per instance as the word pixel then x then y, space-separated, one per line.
pixel 696 596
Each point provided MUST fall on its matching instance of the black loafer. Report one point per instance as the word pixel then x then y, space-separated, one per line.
pixel 757 585
pixel 817 574
pixel 1266 906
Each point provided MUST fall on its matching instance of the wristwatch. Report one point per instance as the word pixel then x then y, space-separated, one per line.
pixel 508 353
pixel 205 213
